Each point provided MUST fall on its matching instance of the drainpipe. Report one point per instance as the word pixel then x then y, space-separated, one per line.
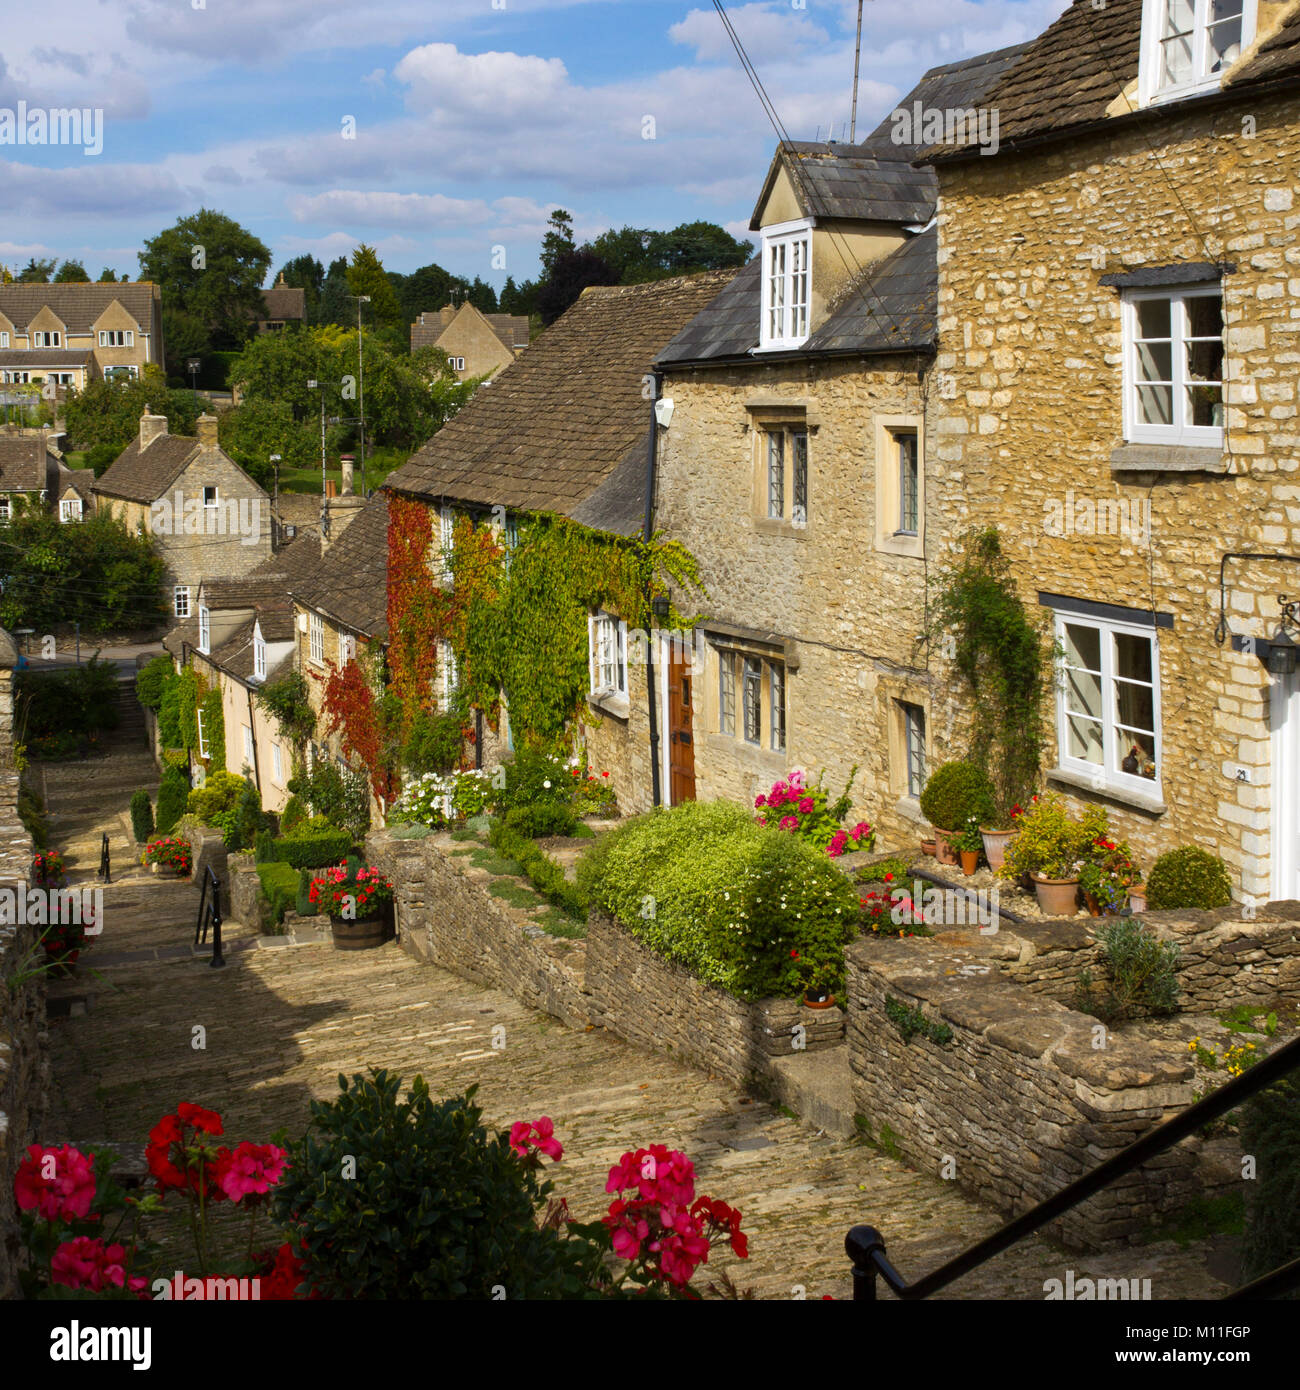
pixel 647 530
pixel 252 724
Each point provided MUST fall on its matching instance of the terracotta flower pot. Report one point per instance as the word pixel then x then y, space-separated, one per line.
pixel 943 850
pixel 811 1003
pixel 1057 897
pixel 928 847
pixel 995 846
pixel 970 859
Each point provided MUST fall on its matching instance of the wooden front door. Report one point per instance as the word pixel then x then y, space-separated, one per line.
pixel 681 734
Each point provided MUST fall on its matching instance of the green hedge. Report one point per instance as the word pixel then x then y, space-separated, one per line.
pixel 141 816
pixel 173 793
pixel 279 888
pixel 542 818
pixel 754 913
pixel 543 872
pixel 1188 877
pixel 314 851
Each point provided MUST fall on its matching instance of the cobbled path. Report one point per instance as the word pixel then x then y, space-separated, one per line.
pixel 281 1023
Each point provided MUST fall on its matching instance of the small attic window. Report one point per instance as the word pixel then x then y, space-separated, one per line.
pixel 787 285
pixel 1188 45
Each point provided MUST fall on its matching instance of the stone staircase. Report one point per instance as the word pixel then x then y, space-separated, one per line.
pixel 131 731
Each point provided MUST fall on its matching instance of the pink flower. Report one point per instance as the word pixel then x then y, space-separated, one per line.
pixel 789 822
pixel 807 805
pixel 759 801
pixel 859 830
pixel 836 846
pixel 253 1169
pixel 67 1195
pixel 525 1137
pixel 84 1263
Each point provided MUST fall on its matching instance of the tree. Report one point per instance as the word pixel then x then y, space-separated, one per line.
pixel 366 275
pixel 37 272
pixel 108 276
pixel 307 274
pixel 212 269
pixel 72 273
pixel 426 289
pixel 696 246
pixel 185 336
pixel 482 296
pixel 558 239
pixel 258 428
pixel 334 305
pixel 107 411
pixel 572 273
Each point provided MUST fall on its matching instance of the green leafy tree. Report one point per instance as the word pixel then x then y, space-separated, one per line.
pixel 108 411
pixel 108 276
pixel 258 428
pixel 307 274
pixel 483 297
pixel 427 289
pixel 572 272
pixel 334 305
pixel 212 269
pixel 557 241
pixel 366 275
pixel 186 336
pixel 37 272
pixel 72 273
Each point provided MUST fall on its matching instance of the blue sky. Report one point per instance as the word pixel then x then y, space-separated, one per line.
pixel 473 118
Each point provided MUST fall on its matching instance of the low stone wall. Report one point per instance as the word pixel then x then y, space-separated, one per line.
pixel 1026 1096
pixel 657 1004
pixel 447 919
pixel 1224 959
pixel 246 903
pixel 24 1062
pixel 208 851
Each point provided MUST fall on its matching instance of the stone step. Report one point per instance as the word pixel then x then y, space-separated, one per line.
pixel 818 1087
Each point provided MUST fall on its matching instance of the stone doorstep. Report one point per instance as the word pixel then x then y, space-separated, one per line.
pixel 818 1087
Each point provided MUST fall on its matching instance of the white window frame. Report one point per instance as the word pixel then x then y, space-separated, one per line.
pixel 203 741
pixel 607 655
pixel 6 511
pixel 205 629
pixel 1179 432
pixel 458 364
pixel 4 339
pixel 277 765
pixel 69 509
pixel 259 658
pixel 1108 776
pixel 777 706
pixel 181 600
pixel 250 754
pixel 216 498
pixel 116 337
pixel 47 338
pixel 316 639
pixel 787 287
pixel 912 724
pixel 1150 91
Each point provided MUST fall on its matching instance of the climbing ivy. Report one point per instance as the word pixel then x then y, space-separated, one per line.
pixel 214 730
pixel 1005 660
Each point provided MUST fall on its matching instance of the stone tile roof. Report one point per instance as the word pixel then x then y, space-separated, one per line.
pixel 285 302
pixel 890 307
pixel 80 480
pixel 351 588
pixel 1070 74
pixel 77 306
pixel 144 475
pixel 23 466
pixel 267 587
pixel 848 181
pixel 556 422
pixel 31 358
pixel 512 329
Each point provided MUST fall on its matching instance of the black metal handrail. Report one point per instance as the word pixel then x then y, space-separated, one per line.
pixel 210 915
pixel 105 863
pixel 866 1246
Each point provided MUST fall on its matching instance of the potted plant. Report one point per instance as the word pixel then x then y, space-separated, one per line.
pixel 1050 848
pixel 1107 875
pixel 997 839
pixel 358 901
pixel 47 869
pixel 169 856
pixel 968 843
pixel 63 942
pixel 954 794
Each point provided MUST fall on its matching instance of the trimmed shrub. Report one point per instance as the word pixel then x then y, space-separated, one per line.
pixel 542 818
pixel 218 795
pixel 279 888
pixel 543 872
pixel 439 1207
pixel 304 906
pixel 1270 1129
pixel 264 848
pixel 173 794
pixel 954 793
pixel 753 913
pixel 1188 877
pixel 293 815
pixel 317 851
pixel 141 816
pixel 151 680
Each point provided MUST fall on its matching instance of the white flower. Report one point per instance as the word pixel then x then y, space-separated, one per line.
pixel 546 784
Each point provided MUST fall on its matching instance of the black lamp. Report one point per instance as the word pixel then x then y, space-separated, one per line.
pixel 659 607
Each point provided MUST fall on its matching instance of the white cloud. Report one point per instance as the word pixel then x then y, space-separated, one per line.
pixel 500 88
pixel 383 209
pixel 766 30
pixel 99 190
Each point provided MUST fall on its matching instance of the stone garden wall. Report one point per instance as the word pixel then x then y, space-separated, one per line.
pixel 1225 960
pixel 1021 1100
pixel 24 1063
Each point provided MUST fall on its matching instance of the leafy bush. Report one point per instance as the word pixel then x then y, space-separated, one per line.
pixel 151 680
pixel 322 789
pixel 303 905
pixel 286 700
pixel 954 793
pixel 293 815
pixel 543 872
pixel 1142 970
pixel 1270 1129
pixel 435 798
pixel 533 775
pixel 1188 877
pixel 169 716
pixel 264 848
pixel 542 818
pixel 101 458
pixel 173 794
pixel 279 888
pixel 241 824
pixel 1049 843
pixel 807 811
pixel 217 796
pixel 81 701
pixel 753 913
pixel 433 743
pixel 313 851
pixel 141 816
pixel 414 1198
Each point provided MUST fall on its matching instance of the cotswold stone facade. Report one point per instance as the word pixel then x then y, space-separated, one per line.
pixel 1027 432
pixel 835 604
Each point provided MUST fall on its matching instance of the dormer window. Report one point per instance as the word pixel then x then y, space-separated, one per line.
pixel 205 630
pixel 1187 45
pixel 259 656
pixel 787 284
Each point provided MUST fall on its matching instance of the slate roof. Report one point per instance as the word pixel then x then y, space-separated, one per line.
pixel 512 329
pixel 557 421
pixel 78 306
pixel 847 181
pixel 267 587
pixel 144 475
pixel 22 463
pixel 1072 72
pixel 80 480
pixel 351 589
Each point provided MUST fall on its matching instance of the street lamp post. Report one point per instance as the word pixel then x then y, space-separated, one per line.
pixel 313 385
pixel 192 366
pixel 275 498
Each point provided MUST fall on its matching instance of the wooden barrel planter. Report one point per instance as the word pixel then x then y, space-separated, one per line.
pixel 361 933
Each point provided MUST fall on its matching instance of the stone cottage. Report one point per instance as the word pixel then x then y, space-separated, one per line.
pixel 209 519
pixel 796 468
pixel 478 344
pixel 1119 333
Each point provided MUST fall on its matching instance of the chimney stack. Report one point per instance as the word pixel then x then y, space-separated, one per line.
pixel 151 426
pixel 347 465
pixel 207 429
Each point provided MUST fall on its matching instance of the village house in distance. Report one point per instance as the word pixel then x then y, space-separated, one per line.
pixel 478 344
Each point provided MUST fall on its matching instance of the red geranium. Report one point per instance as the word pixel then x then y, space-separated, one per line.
pixel 64 1196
